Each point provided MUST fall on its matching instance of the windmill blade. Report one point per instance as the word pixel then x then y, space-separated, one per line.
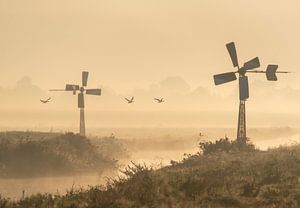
pixel 232 52
pixel 71 87
pixel 85 76
pixel 244 87
pixel 271 72
pixel 224 78
pixel 252 64
pixel 93 91
pixel 80 100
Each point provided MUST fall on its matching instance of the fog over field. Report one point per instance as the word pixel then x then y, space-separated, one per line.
pixel 268 106
pixel 155 147
pixel 154 134
pixel 183 151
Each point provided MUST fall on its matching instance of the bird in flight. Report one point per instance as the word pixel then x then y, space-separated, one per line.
pixel 46 101
pixel 129 101
pixel 159 100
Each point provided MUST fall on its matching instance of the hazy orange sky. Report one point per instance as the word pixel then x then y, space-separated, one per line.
pixel 128 44
pixel 133 44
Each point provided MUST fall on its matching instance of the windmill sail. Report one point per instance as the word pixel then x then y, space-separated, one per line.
pixel 232 52
pixel 93 91
pixel 85 76
pixel 252 64
pixel 71 87
pixel 224 78
pixel 80 100
pixel 243 87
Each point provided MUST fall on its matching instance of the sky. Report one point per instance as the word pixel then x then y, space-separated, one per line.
pixel 132 47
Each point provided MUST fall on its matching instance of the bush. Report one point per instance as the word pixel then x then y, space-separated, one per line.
pixel 59 155
pixel 225 145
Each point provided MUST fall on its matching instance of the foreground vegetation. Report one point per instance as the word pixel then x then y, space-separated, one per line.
pixel 222 174
pixel 32 154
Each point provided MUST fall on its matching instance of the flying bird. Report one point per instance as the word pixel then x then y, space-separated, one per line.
pixel 129 101
pixel 159 100
pixel 46 101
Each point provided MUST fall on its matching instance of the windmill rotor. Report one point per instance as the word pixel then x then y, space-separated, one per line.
pixel 80 89
pixel 231 76
pixel 248 67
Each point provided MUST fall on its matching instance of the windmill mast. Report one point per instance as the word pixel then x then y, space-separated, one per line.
pixel 243 94
pixel 85 76
pixel 241 131
pixel 81 109
pixel 82 123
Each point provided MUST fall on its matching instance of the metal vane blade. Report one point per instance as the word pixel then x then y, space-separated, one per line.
pixel 224 78
pixel 244 87
pixel 252 64
pixel 271 72
pixel 93 91
pixel 80 100
pixel 232 52
pixel 85 76
pixel 71 87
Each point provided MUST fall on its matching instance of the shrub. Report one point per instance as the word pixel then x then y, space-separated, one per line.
pixel 225 145
pixel 59 155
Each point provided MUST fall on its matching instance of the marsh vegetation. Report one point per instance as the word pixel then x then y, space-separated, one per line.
pixel 221 174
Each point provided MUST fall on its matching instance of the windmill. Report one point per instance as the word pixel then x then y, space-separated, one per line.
pixel 81 91
pixel 248 67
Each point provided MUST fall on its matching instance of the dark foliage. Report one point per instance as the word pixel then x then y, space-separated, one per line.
pixel 50 155
pixel 225 145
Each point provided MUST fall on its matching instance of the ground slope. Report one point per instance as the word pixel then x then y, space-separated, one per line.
pixel 226 176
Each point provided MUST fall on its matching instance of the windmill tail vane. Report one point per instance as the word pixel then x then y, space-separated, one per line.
pixel 271 72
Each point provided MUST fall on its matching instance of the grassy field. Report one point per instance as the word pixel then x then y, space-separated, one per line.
pixel 222 174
